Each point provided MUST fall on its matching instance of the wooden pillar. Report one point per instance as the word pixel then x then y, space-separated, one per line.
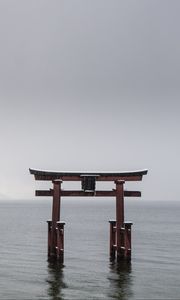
pixel 112 246
pixel 60 241
pixel 49 236
pixel 127 242
pixel 119 218
pixel 55 215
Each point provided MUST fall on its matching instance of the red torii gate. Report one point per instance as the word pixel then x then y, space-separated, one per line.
pixel 120 231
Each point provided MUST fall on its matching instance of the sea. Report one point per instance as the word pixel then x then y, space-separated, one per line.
pixel 88 273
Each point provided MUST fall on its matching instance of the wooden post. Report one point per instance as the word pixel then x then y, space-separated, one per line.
pixel 119 218
pixel 49 236
pixel 55 215
pixel 112 245
pixel 127 242
pixel 60 241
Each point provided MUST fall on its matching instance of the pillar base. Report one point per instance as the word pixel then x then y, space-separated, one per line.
pixel 123 252
pixel 56 252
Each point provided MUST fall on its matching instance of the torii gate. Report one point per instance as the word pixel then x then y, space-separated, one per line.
pixel 120 231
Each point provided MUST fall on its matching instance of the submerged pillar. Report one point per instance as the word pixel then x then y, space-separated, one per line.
pixel 112 246
pixel 119 218
pixel 56 227
pixel 120 231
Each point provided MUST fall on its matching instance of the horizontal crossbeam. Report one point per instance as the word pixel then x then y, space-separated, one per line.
pixel 77 176
pixel 77 193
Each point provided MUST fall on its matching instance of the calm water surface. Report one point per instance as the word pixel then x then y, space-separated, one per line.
pixel 154 271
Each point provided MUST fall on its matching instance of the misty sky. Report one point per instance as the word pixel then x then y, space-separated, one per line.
pixel 90 85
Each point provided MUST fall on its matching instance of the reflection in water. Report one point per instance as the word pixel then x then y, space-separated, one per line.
pixel 120 280
pixel 56 281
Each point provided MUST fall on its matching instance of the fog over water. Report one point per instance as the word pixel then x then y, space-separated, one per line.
pixel 90 85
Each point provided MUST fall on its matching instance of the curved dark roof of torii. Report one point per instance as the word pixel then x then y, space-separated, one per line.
pixel 48 175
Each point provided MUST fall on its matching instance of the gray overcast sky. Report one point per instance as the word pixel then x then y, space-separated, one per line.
pixel 90 85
